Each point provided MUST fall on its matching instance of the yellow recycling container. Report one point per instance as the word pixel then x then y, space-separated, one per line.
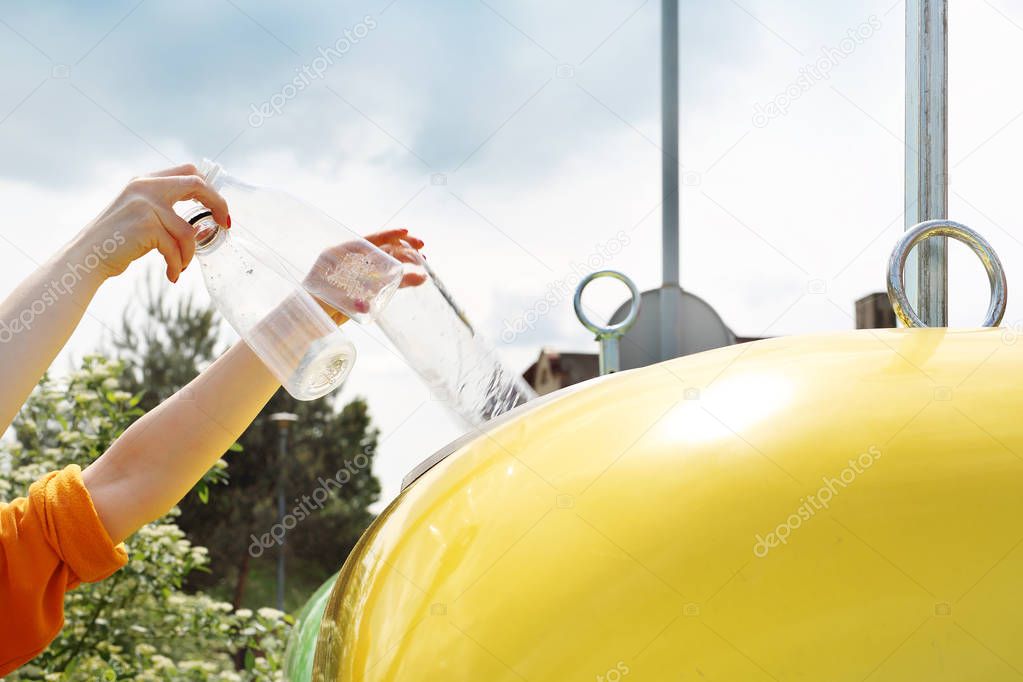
pixel 829 507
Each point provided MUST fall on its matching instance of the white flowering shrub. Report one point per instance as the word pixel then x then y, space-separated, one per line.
pixel 138 624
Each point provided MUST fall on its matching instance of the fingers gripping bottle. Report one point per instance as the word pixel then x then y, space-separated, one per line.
pixel 280 322
pixel 357 279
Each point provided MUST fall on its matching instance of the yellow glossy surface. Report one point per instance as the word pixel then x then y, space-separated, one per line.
pixel 612 533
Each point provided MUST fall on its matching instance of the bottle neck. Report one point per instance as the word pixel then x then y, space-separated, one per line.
pixel 210 240
pixel 208 234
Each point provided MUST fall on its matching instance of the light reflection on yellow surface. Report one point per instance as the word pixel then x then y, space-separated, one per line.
pixel 731 405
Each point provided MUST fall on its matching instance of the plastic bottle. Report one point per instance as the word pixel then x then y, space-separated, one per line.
pixel 437 340
pixel 283 324
pixel 358 279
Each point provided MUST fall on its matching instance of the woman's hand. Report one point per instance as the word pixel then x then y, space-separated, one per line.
pixel 403 247
pixel 142 218
pixel 396 242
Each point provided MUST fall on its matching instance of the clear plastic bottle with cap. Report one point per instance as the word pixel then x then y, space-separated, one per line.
pixel 280 322
pixel 358 280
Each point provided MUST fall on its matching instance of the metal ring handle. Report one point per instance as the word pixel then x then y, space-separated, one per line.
pixel 944 228
pixel 614 329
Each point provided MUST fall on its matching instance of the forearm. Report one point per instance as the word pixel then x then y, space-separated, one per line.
pixel 162 455
pixel 38 317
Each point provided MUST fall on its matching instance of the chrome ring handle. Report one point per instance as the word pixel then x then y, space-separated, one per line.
pixel 608 336
pixel 944 228
pixel 614 329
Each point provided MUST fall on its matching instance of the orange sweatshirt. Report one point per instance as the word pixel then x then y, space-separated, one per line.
pixel 50 542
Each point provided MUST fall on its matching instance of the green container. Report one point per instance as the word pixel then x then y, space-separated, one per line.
pixel 298 659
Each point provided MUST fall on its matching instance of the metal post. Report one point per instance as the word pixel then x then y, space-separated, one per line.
pixel 669 180
pixel 927 153
pixel 283 420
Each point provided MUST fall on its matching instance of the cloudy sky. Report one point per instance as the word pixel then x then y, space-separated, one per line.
pixel 517 137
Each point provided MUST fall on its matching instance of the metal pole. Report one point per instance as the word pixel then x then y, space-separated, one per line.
pixel 283 421
pixel 669 180
pixel 927 153
pixel 282 445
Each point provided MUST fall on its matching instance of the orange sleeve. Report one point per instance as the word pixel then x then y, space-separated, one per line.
pixel 50 542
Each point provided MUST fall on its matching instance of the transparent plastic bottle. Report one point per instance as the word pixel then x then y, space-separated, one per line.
pixel 282 323
pixel 437 340
pixel 358 279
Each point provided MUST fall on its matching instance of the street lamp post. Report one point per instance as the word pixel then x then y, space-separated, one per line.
pixel 283 421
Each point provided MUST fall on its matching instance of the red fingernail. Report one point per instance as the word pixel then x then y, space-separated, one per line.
pixel 229 220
